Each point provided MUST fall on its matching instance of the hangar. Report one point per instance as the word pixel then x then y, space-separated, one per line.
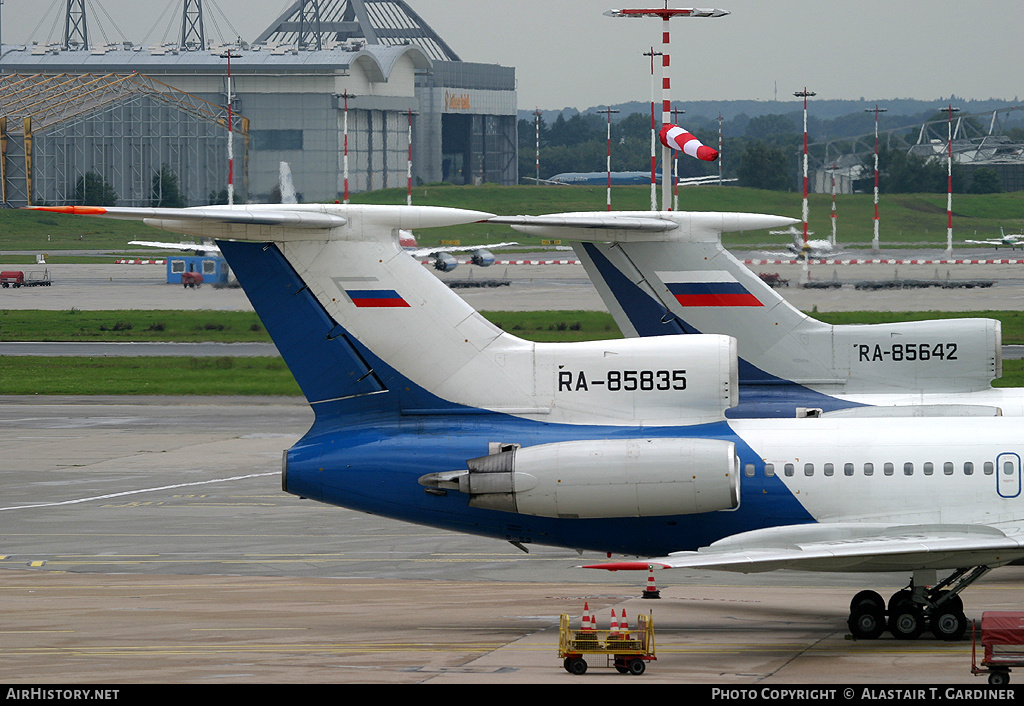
pixel 369 70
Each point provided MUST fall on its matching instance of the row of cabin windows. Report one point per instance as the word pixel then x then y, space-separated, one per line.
pixel 888 469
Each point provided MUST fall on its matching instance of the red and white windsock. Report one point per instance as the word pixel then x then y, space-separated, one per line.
pixel 677 138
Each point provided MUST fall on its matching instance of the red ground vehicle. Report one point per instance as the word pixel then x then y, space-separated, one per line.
pixel 1002 637
pixel 191 279
pixel 17 278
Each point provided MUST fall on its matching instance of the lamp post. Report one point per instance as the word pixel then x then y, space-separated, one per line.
pixel 608 111
pixel 536 128
pixel 874 240
pixel 654 137
pixel 666 14
pixel 231 135
pixel 949 180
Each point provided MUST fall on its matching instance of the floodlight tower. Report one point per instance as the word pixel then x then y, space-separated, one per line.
pixel 76 29
pixel 666 14
pixel 949 180
pixel 874 240
pixel 608 111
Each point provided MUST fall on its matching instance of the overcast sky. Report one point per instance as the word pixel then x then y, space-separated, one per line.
pixel 568 54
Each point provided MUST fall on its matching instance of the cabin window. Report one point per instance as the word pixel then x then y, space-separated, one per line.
pixel 1009 468
pixel 888 469
pixel 769 470
pixel 829 469
pixel 989 468
pixel 177 267
pixel 749 470
pixel 869 469
pixel 848 469
pixel 788 469
pixel 908 469
pixel 947 468
pixel 929 468
pixel 808 469
pixel 968 468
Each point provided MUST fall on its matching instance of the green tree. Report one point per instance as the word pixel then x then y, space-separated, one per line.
pixel 94 190
pixel 765 166
pixel 985 181
pixel 166 193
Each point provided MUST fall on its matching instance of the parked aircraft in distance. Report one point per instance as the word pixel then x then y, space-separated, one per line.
pixel 427 412
pixel 622 179
pixel 812 249
pixel 668 273
pixel 1012 241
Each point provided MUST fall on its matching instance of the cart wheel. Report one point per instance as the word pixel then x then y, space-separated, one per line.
pixel 621 669
pixel 566 664
pixel 577 666
pixel 637 667
pixel 999 677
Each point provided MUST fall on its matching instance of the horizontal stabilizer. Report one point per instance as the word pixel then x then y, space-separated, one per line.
pixel 212 214
pixel 631 226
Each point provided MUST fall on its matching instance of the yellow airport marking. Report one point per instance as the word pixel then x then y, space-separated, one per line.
pixel 36 563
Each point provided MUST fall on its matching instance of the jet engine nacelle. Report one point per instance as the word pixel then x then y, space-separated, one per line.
pixel 483 258
pixel 445 262
pixel 602 478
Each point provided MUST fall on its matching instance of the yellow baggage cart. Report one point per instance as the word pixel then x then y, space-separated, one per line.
pixel 628 650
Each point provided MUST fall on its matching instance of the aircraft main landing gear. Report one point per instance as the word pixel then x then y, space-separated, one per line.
pixel 923 605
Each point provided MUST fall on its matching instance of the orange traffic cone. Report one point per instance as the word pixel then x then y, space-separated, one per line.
pixel 651 591
pixel 587 618
pixel 615 625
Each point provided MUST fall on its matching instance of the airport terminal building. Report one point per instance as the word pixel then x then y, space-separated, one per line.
pixel 150 122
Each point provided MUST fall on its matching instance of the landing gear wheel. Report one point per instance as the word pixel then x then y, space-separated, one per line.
pixel 948 624
pixel 866 621
pixel 577 665
pixel 637 667
pixel 999 677
pixel 906 621
pixel 871 597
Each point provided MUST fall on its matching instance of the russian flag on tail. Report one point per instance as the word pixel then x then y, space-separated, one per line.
pixel 679 139
pixel 710 288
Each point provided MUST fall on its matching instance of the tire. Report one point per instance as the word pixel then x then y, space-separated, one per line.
pixel 906 621
pixel 871 597
pixel 998 677
pixel 578 666
pixel 637 667
pixel 948 624
pixel 866 621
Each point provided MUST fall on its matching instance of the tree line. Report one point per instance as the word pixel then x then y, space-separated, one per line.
pixel 763 152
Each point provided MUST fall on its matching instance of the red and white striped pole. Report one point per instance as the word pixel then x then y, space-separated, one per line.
pixel 666 14
pixel 231 135
pixel 874 239
pixel 608 111
pixel 536 128
pixel 654 137
pixel 408 165
pixel 949 181
pixel 719 149
pixel 345 153
pixel 676 112
pixel 833 171
pixel 805 276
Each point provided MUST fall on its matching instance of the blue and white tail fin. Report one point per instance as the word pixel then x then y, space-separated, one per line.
pixel 364 326
pixel 668 273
